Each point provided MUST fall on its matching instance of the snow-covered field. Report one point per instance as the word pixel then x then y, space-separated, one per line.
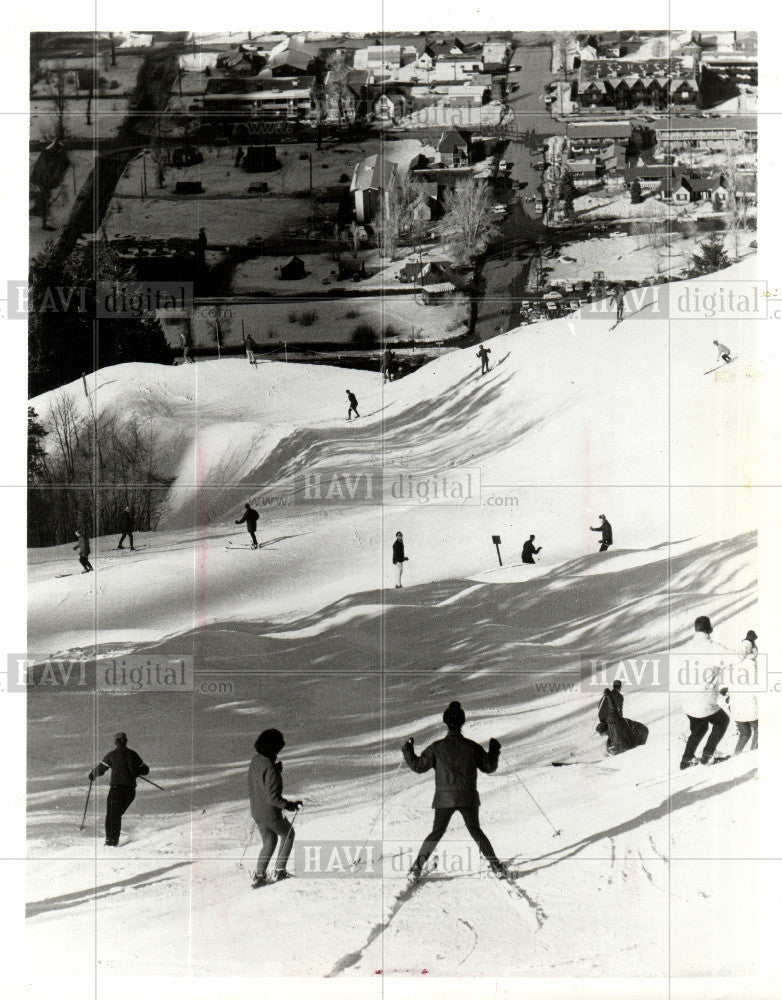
pixel 651 871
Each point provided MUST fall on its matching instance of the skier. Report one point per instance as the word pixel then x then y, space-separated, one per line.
pixel 126 766
pixel 399 558
pixel 267 804
pixel 618 298
pixel 250 518
pixel 744 704
pixel 528 550
pixel 483 354
pixel 456 761
pixel 723 351
pixel 607 533
pixel 126 523
pixel 701 705
pixel 623 734
pixel 186 359
pixel 386 365
pixel 83 545
pixel 352 404
pixel 251 347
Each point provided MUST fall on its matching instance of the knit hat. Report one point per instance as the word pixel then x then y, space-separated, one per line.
pixel 454 716
pixel 617 685
pixel 703 624
pixel 121 738
pixel 269 743
pixel 752 635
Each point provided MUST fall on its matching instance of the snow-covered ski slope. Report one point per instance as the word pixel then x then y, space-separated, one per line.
pixel 573 420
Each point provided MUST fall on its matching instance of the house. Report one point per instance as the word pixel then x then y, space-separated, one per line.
pixel 346 102
pixel 454 148
pixel 673 189
pixel 389 107
pixel 373 180
pixel 728 132
pixel 493 56
pixel 650 176
pixel 290 58
pixel 585 173
pixel 719 198
pixel 747 189
pixel 624 84
pixel 380 61
pixel 294 270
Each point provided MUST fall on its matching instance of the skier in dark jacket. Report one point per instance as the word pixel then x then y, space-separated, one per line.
pixel 483 354
pixel 606 533
pixel 398 557
pixel 528 550
pixel 456 761
pixel 250 518
pixel 126 766
pixel 623 734
pixel 267 804
pixel 126 523
pixel 83 547
pixel 352 404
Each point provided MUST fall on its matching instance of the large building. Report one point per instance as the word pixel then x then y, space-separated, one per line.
pixel 729 132
pixel 624 84
pixel 288 98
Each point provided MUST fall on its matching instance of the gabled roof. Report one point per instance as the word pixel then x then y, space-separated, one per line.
pixel 373 173
pixel 452 139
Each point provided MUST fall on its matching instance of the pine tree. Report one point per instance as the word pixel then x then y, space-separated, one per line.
pixel 711 258
pixel 36 453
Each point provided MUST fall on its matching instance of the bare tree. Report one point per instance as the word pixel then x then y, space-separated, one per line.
pixel 337 85
pixel 736 202
pixel 562 47
pixel 467 226
pixel 57 79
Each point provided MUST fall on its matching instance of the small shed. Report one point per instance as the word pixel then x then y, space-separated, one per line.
pixel 294 270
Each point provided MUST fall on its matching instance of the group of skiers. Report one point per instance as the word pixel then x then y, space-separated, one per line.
pixel 82 545
pixel 702 705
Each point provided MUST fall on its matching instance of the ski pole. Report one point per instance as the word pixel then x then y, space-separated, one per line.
pixel 557 833
pixel 85 806
pixel 153 783
pixel 249 840
pixel 377 817
pixel 287 835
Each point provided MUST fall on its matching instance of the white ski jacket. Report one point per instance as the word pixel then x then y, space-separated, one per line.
pixel 701 665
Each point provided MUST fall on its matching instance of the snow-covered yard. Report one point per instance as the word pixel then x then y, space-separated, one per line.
pixel 107 114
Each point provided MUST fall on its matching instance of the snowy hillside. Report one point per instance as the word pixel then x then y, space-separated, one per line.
pixel 307 634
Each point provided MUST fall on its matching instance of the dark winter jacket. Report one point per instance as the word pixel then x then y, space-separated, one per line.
pixel 250 516
pixel 125 764
pixel 612 701
pixel 483 353
pixel 126 522
pixel 607 535
pixel 83 546
pixel 456 762
pixel 265 784
pixel 528 550
pixel 399 551
pixel 352 400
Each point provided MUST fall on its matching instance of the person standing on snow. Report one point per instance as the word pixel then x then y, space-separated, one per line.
pixel 352 404
pixel 483 354
pixel 456 762
pixel 386 365
pixel 723 351
pixel 607 533
pixel 744 704
pixel 126 523
pixel 618 298
pixel 399 558
pixel 126 766
pixel 267 805
pixel 250 348
pixel 83 546
pixel 701 702
pixel 250 518
pixel 528 550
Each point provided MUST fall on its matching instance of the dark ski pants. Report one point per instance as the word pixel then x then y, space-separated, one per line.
pixel 353 409
pixel 251 533
pixel 747 729
pixel 118 800
pixel 484 365
pixel 442 817
pixel 698 727
pixel 85 563
pixel 271 831
pixel 129 536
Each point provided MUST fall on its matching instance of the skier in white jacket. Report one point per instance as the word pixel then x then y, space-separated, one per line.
pixel 709 659
pixel 744 704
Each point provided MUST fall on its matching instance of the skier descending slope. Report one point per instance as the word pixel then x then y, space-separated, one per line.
pixel 126 766
pixel 267 804
pixel 723 351
pixel 528 550
pixel 483 354
pixel 250 518
pixel 83 547
pixel 456 761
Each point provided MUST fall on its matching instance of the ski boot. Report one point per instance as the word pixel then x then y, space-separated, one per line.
pixel 259 881
pixel 499 869
pixel 688 762
pixel 281 875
